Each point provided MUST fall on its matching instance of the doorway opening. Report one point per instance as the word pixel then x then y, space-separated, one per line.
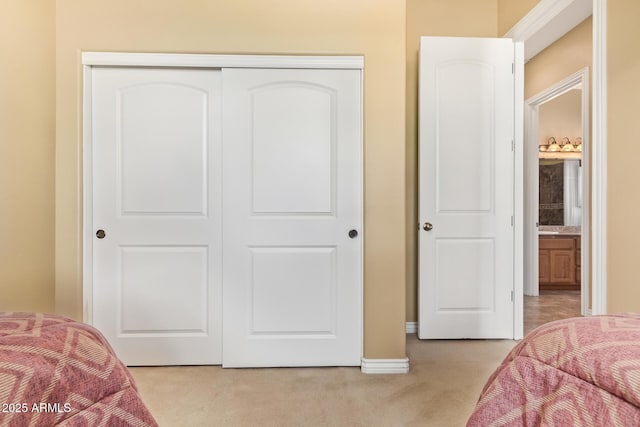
pixel 567 221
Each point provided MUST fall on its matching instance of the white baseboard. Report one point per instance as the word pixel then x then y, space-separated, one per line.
pixel 411 327
pixel 385 366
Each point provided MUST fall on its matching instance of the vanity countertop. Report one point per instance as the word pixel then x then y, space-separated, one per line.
pixel 559 230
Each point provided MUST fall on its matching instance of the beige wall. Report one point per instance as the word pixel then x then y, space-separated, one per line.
pixel 373 29
pixel 512 11
pixel 623 151
pixel 27 120
pixel 569 54
pixel 26 145
pixel 560 117
pixel 465 18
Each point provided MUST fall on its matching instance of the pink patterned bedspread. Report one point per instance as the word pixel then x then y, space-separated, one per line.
pixel 573 372
pixel 55 371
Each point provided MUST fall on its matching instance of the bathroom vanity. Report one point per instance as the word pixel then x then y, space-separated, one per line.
pixel 559 254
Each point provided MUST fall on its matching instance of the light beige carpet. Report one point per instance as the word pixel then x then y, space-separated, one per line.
pixel 441 389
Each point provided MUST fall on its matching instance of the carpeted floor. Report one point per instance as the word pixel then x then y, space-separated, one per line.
pixel 440 390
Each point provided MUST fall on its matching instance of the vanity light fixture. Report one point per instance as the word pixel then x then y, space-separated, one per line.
pixel 578 143
pixel 565 146
pixel 544 145
pixel 553 145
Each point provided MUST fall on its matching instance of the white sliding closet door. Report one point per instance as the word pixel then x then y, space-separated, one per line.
pixel 292 211
pixel 224 206
pixel 156 242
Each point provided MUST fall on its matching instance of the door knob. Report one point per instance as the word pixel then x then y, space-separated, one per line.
pixel 353 234
pixel 100 234
pixel 427 226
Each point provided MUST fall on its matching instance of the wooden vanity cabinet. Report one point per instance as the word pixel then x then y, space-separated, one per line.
pixel 559 262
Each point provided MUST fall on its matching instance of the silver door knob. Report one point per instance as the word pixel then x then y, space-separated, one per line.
pixel 427 226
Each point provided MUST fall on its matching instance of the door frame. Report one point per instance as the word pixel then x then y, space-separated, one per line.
pixel 527 29
pixel 177 60
pixel 531 126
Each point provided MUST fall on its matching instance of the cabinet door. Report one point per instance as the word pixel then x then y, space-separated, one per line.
pixel 562 266
pixel 543 266
pixel 557 262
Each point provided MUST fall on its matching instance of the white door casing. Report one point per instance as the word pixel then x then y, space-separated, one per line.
pixel 466 271
pixel 546 12
pixel 292 193
pixel 156 194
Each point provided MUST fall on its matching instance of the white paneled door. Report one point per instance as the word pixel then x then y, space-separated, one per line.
pixel 292 211
pixel 224 212
pixel 157 213
pixel 466 205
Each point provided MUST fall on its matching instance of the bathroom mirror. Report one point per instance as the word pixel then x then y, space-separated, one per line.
pixel 560 192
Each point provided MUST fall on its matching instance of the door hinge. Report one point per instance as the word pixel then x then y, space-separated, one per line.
pixel 512 220
pixel 513 145
pixel 513 68
pixel 512 296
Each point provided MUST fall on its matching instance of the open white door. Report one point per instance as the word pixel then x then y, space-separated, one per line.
pixel 466 271
pixel 292 217
pixel 156 266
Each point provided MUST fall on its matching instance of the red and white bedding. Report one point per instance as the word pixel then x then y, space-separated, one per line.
pixel 573 372
pixel 55 371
